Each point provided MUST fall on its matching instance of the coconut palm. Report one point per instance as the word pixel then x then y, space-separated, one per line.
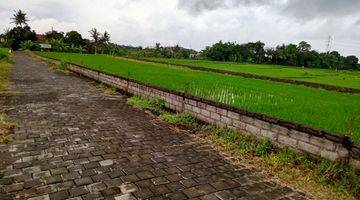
pixel 96 37
pixel 19 18
pixel 104 41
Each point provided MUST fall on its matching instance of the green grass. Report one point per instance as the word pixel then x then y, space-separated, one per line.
pixel 144 103
pixel 183 119
pixel 5 60
pixel 331 111
pixel 341 78
pixel 292 166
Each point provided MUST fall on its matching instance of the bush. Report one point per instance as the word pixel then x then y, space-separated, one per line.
pixel 179 118
pixel 156 106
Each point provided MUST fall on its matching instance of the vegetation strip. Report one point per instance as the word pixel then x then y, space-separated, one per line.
pixel 249 75
pixel 343 178
pixel 6 126
pixel 334 112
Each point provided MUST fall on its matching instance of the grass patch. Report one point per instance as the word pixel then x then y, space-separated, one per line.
pixel 292 167
pixel 182 119
pixel 5 129
pixel 5 56
pixel 157 106
pixel 59 67
pixel 318 108
pixel 5 60
pixel 108 89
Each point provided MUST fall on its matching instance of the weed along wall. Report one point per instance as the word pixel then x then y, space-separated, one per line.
pixel 283 133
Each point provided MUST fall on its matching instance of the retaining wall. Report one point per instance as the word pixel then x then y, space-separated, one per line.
pixel 284 133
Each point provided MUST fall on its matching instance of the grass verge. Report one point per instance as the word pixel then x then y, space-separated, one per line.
pixel 6 127
pixel 5 63
pixel 320 178
pixel 107 89
pixel 156 106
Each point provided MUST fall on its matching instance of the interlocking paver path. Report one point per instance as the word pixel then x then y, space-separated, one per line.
pixel 74 141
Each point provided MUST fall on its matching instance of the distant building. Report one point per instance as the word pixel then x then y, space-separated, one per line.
pixel 40 37
pixel 192 55
pixel 44 46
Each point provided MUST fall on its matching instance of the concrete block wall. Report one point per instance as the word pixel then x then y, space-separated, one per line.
pixel 283 133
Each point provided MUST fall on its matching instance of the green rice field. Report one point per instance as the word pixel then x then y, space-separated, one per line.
pixel 342 78
pixel 332 111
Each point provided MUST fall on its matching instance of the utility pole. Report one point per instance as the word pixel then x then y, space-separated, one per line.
pixel 329 43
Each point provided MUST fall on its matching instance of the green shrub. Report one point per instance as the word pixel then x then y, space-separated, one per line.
pixel 156 106
pixel 5 56
pixel 179 118
pixel 340 175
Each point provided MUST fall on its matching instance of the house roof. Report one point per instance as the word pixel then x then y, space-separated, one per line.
pixel 40 37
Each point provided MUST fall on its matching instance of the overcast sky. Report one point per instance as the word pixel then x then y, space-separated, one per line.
pixel 199 23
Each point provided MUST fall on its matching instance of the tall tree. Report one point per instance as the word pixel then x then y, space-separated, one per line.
pixel 95 36
pixel 104 41
pixel 56 35
pixel 351 62
pixel 19 18
pixel 75 38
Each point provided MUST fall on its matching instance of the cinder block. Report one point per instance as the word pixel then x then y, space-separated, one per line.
pixel 201 105
pixel 331 155
pixel 188 107
pixel 342 151
pixel 206 113
pixel 315 150
pixel 261 124
pixel 355 162
pixel 196 109
pixel 246 119
pixel 211 108
pixel 268 134
pixel 252 129
pixel 279 129
pixel 322 142
pixel 226 120
pixel 283 139
pixel 300 136
pixel 233 115
pixel 192 102
pixel 215 116
pixel 239 125
pixel 221 111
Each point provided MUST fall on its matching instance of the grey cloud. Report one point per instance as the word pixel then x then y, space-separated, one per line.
pixel 196 7
pixel 298 9
pixel 311 9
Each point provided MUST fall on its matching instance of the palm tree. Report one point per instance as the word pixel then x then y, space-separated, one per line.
pixel 104 41
pixel 96 36
pixel 19 18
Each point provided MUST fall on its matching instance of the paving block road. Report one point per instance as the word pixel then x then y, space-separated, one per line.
pixel 73 141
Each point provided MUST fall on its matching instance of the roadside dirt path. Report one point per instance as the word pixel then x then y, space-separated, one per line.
pixel 74 141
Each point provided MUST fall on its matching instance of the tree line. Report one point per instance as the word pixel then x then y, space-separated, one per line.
pixel 300 55
pixel 22 37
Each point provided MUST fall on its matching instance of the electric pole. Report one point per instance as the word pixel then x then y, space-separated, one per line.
pixel 329 42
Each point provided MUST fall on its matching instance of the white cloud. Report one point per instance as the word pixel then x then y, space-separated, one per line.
pixel 198 23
